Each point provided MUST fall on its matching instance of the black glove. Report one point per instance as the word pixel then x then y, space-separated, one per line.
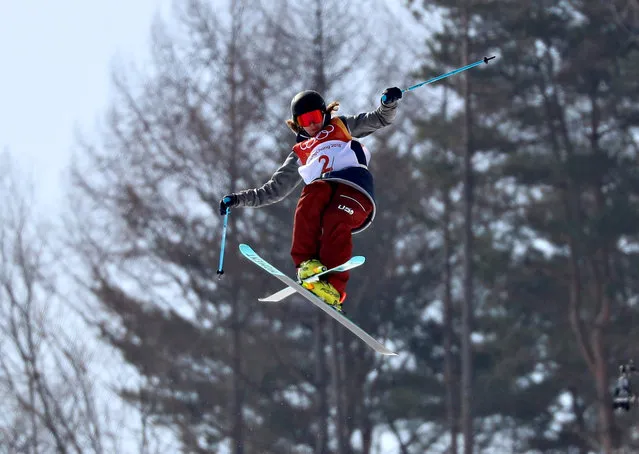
pixel 391 95
pixel 228 201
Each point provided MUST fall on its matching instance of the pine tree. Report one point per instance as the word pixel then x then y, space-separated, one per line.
pixel 560 106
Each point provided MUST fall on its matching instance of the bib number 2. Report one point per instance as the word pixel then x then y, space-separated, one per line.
pixel 325 160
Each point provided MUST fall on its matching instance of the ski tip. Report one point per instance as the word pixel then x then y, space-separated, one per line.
pixel 246 249
pixel 357 260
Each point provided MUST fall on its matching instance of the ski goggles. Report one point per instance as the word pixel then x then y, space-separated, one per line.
pixel 314 116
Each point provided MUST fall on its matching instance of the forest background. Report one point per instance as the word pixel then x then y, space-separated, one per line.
pixel 502 264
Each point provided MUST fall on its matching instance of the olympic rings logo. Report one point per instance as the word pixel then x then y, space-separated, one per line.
pixel 323 134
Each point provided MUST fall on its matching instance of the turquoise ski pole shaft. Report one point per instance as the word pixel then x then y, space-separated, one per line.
pixel 220 270
pixel 448 74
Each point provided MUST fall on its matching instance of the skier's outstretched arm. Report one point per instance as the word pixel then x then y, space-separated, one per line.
pixel 366 123
pixel 282 183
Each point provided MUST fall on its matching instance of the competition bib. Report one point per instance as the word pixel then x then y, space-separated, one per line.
pixel 333 148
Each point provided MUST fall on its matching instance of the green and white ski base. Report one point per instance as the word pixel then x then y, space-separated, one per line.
pixel 250 254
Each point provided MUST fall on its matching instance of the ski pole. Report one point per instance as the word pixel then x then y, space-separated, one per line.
pixel 443 76
pixel 220 270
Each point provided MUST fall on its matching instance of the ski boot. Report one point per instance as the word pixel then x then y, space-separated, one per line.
pixel 322 289
pixel 309 268
pixel 327 293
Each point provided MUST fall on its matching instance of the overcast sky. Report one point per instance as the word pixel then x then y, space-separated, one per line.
pixel 55 75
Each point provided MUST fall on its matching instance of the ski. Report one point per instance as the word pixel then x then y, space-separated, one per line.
pixel 250 254
pixel 353 262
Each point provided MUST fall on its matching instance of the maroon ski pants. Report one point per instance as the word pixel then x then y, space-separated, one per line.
pixel 325 216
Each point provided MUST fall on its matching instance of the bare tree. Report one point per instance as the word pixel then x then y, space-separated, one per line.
pixel 49 403
pixel 147 229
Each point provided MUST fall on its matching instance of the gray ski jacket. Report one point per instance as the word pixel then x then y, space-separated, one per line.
pixel 286 178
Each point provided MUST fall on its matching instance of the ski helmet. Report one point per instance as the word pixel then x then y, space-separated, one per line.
pixel 307 101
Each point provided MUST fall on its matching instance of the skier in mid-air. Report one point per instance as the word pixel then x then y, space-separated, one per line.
pixel 338 198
